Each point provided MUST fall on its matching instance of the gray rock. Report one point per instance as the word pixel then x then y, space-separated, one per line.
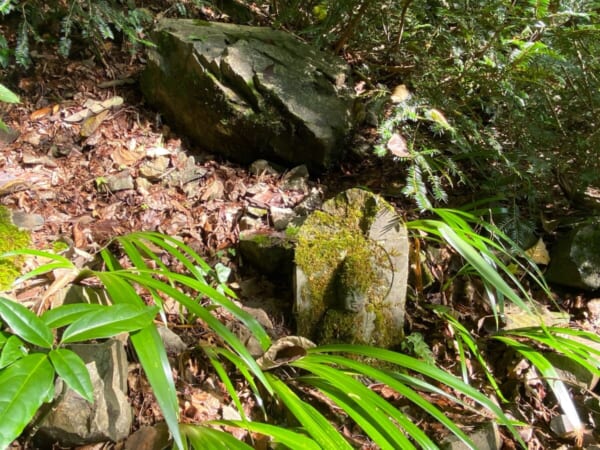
pixel 73 421
pixel 149 438
pixel 269 253
pixel 575 260
pixel 485 438
pixel 281 217
pixel 155 168
pixel 27 221
pixel 250 92
pixel 263 167
pixel 118 182
pixel 173 343
pixel 351 272
pixel 296 179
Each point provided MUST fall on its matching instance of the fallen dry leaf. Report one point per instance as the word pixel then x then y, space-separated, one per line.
pixel 91 124
pixel 397 145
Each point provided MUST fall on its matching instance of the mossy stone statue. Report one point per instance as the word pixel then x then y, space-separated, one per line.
pixel 351 272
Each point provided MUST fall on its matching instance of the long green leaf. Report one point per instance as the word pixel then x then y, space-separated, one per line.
pixel 203 438
pixel 67 314
pixel 153 358
pixel 290 439
pixel 8 96
pixel 552 378
pixel 313 422
pixel 369 410
pixel 428 370
pixel 25 324
pixel 150 350
pixel 71 368
pixel 24 386
pixel 388 379
pixel 205 315
pixel 109 321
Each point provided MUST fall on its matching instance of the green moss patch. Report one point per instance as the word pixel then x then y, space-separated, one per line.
pixel 11 238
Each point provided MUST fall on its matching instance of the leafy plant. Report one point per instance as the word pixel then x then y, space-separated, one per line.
pixel 31 358
pixel 94 22
pixel 336 371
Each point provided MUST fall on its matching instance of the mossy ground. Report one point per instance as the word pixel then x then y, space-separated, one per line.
pixel 11 238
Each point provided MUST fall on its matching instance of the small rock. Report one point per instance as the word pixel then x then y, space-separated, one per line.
pixel 142 185
pixel 310 203
pixel 249 223
pixel 30 159
pixel 575 258
pixel 593 307
pixel 8 135
pixel 486 438
pixel 119 182
pixel 149 438
pixel 154 168
pixel 296 179
pixel 186 172
pixel 561 426
pixel 269 253
pixel 173 343
pixel 263 167
pixel 27 221
pixel 281 217
pixel 73 421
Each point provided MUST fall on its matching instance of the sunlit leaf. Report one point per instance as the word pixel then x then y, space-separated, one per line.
pixel 25 324
pixel 71 368
pixel 24 387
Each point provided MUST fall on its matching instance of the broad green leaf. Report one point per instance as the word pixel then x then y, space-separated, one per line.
pixel 203 438
pixel 67 314
pixel 71 368
pixel 288 438
pixel 24 386
pixel 25 324
pixel 109 321
pixel 151 352
pixel 8 96
pixel 312 421
pixel 13 349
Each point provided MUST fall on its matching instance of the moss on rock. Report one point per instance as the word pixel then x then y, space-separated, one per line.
pixel 11 238
pixel 345 270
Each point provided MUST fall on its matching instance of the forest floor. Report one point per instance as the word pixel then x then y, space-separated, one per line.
pixel 59 167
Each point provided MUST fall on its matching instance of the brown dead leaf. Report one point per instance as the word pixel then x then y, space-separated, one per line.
pixel 397 145
pixel 40 113
pixel 123 157
pixel 214 190
pixel 91 124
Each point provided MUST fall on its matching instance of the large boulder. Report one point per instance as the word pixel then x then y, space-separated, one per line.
pixel 352 271
pixel 575 259
pixel 250 92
